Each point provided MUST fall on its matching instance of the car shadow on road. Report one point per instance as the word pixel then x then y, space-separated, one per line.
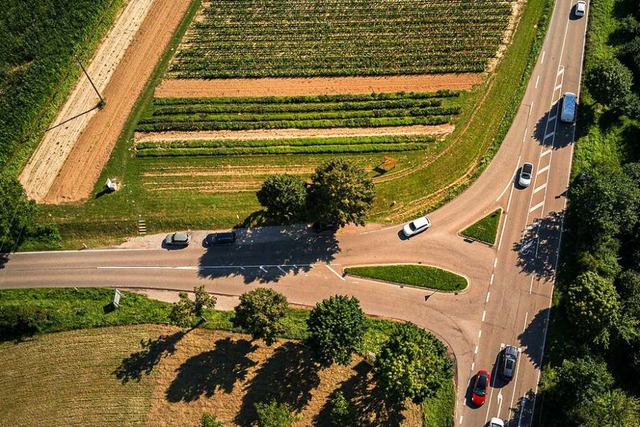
pixel 538 248
pixel 550 132
pixel 266 254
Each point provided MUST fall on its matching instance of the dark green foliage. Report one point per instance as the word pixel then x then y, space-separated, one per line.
pixel 343 412
pixel 630 56
pixel 580 381
pixel 284 197
pixel 609 82
pixel 209 420
pixel 594 305
pixel 39 40
pixel 274 414
pixel 260 313
pixel 412 364
pixel 336 329
pixel 17 322
pixel 612 408
pixel 340 193
pixel 184 311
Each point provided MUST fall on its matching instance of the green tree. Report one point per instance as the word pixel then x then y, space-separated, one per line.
pixel 580 381
pixel 609 81
pixel 184 311
pixel 343 412
pixel 284 196
pixel 209 420
pixel 592 303
pixel 274 414
pixel 412 364
pixel 612 408
pixel 260 312
pixel 340 192
pixel 336 329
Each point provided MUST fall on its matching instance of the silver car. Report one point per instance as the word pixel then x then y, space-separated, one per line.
pixel 526 172
pixel 509 360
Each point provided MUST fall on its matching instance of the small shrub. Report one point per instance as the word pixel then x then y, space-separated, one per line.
pixel 274 414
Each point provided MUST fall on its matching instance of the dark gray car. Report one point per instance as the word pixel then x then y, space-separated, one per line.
pixel 509 360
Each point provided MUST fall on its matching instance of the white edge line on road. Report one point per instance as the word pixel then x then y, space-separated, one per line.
pixel 488 294
pixel 476 350
pixel 461 418
pixel 480 333
pixel 537 80
pixel 549 135
pixel 495 262
pixel 531 285
pixel 540 188
pixel 334 272
pixel 491 280
pixel 543 170
pixel 526 317
pixel 524 138
pixel 473 365
pixel 544 153
pixel 542 58
pixel 539 205
pixel 510 183
pixel 484 315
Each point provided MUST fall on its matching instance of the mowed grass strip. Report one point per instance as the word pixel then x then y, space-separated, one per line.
pixel 421 276
pixel 485 230
pixel 285 38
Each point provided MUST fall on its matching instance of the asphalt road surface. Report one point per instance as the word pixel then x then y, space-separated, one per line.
pixel 510 284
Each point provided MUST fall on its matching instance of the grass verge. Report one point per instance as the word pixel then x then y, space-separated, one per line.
pixel 485 230
pixel 413 275
pixel 438 411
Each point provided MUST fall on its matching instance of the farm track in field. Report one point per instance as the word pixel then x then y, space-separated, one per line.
pixel 199 88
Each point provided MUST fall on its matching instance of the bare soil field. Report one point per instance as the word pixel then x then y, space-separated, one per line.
pixel 85 162
pixel 40 173
pixel 440 130
pixel 193 88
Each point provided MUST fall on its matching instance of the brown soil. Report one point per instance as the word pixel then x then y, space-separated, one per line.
pixel 314 86
pixel 40 173
pixel 293 133
pixel 225 374
pixel 77 178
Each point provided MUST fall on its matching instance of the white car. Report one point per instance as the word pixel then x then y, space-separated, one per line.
pixel 581 8
pixel 496 422
pixel 524 179
pixel 416 226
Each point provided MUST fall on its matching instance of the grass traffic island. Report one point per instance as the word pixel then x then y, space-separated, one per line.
pixel 421 276
pixel 485 230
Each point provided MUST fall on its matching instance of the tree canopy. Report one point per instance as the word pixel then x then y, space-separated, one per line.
pixel 184 311
pixel 609 81
pixel 284 197
pixel 412 364
pixel 260 312
pixel 336 329
pixel 340 193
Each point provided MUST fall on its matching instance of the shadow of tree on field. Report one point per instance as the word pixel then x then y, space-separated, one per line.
pixel 539 246
pixel 370 405
pixel 288 376
pixel 266 254
pixel 217 369
pixel 143 361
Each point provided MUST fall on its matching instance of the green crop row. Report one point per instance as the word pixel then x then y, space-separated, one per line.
pixel 314 149
pixel 289 124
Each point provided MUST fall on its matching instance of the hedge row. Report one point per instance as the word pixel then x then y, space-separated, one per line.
pixel 291 124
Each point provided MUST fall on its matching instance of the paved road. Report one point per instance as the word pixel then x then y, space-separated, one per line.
pixel 511 284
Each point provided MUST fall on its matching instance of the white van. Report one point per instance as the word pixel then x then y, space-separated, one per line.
pixel 568 111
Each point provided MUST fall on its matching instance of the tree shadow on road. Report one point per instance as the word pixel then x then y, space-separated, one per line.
pixel 522 414
pixel 144 361
pixel 288 376
pixel 532 338
pixel 266 254
pixel 539 246
pixel 208 372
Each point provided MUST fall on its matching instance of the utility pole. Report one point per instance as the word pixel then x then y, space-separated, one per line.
pixel 102 102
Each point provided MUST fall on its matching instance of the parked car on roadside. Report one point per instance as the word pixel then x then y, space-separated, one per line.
pixel 416 226
pixel 220 238
pixel 508 360
pixel 480 386
pixel 177 239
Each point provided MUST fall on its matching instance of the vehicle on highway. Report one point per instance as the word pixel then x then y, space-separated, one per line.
pixel 496 422
pixel 480 386
pixel 581 9
pixel 568 110
pixel 508 361
pixel 416 226
pixel 177 239
pixel 220 238
pixel 524 178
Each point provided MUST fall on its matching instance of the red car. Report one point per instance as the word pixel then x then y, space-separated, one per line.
pixel 480 386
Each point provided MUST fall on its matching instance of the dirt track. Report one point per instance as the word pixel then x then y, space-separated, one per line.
pixel 40 173
pixel 88 157
pixel 293 133
pixel 314 86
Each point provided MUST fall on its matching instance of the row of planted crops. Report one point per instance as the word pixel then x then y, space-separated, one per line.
pixel 283 38
pixel 300 112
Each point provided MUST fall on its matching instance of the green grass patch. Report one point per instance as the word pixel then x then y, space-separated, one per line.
pixel 485 230
pixel 414 275
pixel 438 410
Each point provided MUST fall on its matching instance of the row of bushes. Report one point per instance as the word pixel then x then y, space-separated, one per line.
pixel 316 149
pixel 296 107
pixel 308 98
pixel 293 124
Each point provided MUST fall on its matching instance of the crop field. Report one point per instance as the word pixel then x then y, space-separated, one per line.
pixel 302 38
